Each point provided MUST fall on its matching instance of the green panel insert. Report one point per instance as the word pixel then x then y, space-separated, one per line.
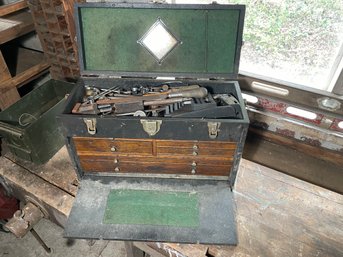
pixel 110 35
pixel 145 207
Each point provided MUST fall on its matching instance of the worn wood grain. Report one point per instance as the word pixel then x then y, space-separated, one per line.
pixel 58 171
pixel 12 7
pixel 8 97
pixel 278 215
pixel 213 151
pixel 151 156
pixel 154 166
pixel 324 154
pixel 293 162
pixel 25 76
pixel 129 157
pixel 27 186
pixel 15 25
pixel 4 72
pixel 200 144
pixel 112 145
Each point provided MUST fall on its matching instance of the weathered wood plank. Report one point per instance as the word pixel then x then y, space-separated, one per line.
pixel 4 72
pixel 294 163
pixel 8 97
pixel 25 76
pixel 325 154
pixel 12 7
pixel 278 215
pixel 58 171
pixel 15 25
pixel 27 186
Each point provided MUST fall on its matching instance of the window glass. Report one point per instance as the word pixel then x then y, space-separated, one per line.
pixel 291 40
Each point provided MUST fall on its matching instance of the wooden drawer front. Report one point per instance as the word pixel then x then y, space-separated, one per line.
pixel 112 146
pixel 156 165
pixel 196 148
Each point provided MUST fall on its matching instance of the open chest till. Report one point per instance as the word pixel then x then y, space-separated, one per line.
pixel 157 158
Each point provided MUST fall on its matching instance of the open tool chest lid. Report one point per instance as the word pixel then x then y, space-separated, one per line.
pixel 151 40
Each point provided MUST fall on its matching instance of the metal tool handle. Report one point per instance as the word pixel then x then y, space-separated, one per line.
pixel 192 93
pixel 185 88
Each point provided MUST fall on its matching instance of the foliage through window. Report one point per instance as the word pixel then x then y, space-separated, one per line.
pixel 298 41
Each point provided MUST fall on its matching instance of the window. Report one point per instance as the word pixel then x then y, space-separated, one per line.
pixel 292 40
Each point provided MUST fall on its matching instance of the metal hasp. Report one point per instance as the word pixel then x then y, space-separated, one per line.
pixel 213 129
pixel 151 126
pixel 91 125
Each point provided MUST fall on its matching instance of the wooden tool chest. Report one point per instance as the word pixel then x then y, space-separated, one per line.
pixel 157 157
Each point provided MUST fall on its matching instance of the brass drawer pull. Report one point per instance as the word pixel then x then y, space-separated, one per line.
pixel 193 171
pixel 195 147
pixel 195 153
pixel 116 161
pixel 194 164
pixel 116 169
pixel 113 149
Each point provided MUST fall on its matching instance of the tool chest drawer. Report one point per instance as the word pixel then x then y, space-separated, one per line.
pixel 195 148
pixel 112 145
pixel 120 163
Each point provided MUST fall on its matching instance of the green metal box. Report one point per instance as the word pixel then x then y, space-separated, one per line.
pixel 29 126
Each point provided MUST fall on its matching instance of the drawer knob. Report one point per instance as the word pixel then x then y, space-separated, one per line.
pixel 116 161
pixel 113 149
pixel 195 153
pixel 116 169
pixel 194 164
pixel 195 147
pixel 193 171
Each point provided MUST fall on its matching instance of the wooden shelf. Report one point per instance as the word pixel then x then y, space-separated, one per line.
pixel 26 66
pixel 15 21
pixel 12 7
pixel 15 25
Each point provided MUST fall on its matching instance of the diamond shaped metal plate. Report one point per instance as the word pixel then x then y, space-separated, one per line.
pixel 159 41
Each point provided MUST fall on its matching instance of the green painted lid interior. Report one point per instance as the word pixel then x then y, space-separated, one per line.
pixel 211 40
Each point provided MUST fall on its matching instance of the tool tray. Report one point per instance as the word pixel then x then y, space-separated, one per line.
pixel 186 163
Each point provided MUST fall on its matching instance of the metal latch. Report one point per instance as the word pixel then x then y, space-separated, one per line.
pixel 91 125
pixel 213 129
pixel 151 126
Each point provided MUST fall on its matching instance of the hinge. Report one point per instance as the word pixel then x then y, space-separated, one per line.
pixel 91 125
pixel 213 129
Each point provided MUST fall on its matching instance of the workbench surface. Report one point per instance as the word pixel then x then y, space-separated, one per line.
pixel 277 215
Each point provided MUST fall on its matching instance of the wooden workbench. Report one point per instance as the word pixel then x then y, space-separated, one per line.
pixel 277 215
